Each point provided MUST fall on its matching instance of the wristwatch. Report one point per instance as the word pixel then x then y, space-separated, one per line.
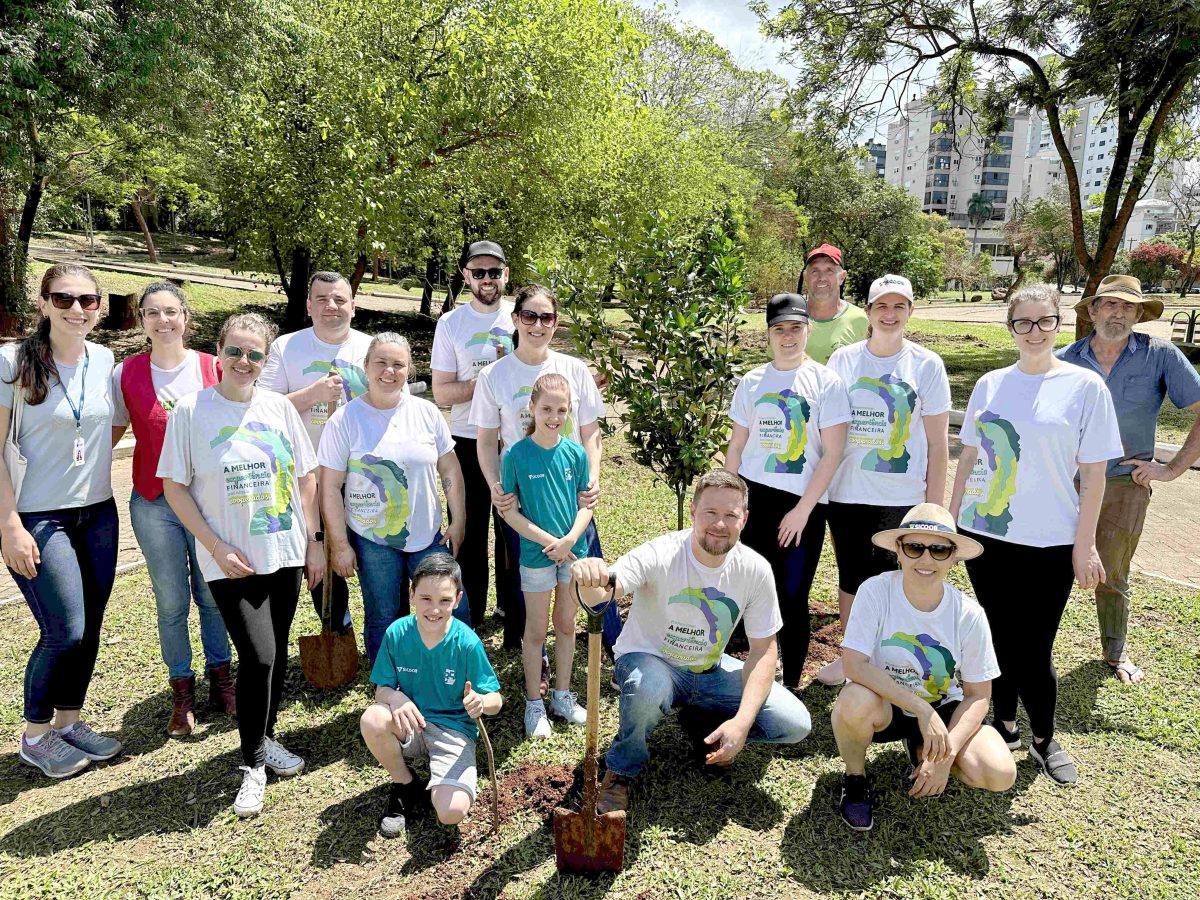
pixel 317 538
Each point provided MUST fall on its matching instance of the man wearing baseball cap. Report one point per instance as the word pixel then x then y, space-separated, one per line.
pixel 1140 372
pixel 835 323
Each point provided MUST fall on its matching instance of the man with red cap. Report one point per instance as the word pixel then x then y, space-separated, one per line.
pixel 834 322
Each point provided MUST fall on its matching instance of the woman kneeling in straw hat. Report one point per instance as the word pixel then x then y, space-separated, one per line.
pixel 920 660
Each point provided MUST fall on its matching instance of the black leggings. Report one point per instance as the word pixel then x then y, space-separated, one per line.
pixel 258 612
pixel 793 567
pixel 473 556
pixel 1024 591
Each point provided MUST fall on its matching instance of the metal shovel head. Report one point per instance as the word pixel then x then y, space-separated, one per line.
pixel 586 842
pixel 329 659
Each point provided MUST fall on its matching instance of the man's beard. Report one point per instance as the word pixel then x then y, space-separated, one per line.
pixel 715 545
pixel 1114 331
pixel 486 301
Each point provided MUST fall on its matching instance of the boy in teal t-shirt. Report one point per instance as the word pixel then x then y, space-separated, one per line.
pixel 433 680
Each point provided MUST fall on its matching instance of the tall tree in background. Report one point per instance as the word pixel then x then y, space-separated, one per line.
pixel 1143 58
pixel 979 210
pixel 1184 195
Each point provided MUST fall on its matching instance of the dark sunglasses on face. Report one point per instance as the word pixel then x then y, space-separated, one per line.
pixel 255 356
pixel 915 550
pixel 1024 326
pixel 529 317
pixel 63 300
pixel 486 273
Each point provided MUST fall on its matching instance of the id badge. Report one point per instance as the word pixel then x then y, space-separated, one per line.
pixel 77 451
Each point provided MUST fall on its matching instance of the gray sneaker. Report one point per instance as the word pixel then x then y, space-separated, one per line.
pixel 54 756
pixel 94 746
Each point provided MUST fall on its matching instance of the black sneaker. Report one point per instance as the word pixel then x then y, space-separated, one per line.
pixel 404 803
pixel 1054 761
pixel 855 804
pixel 913 748
pixel 1012 739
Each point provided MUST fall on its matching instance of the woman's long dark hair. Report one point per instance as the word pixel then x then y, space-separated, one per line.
pixel 524 295
pixel 35 361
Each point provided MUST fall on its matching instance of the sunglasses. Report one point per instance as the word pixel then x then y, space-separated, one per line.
pixel 529 317
pixel 1024 326
pixel 232 352
pixel 486 273
pixel 63 300
pixel 915 550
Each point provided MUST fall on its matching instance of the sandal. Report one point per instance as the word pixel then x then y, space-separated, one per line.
pixel 1133 674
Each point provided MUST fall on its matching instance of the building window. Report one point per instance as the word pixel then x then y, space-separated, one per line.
pixel 977 179
pixel 1092 144
pixel 995 178
pixel 1102 143
pixel 1097 184
pixel 997 161
pixel 996 196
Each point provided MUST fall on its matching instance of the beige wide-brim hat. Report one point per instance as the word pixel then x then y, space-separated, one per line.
pixel 1123 287
pixel 929 518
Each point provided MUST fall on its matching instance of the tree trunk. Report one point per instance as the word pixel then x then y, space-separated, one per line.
pixel 427 282
pixel 356 277
pixel 138 214
pixel 297 289
pixel 679 493
pixel 14 251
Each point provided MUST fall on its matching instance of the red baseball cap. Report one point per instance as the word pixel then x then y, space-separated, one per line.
pixel 826 250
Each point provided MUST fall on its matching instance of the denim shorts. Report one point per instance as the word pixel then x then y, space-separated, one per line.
pixel 544 578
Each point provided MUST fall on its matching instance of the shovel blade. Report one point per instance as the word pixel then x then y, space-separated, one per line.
pixel 329 659
pixel 589 843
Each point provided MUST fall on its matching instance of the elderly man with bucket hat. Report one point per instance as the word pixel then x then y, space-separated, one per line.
pixel 919 655
pixel 1140 372
pixel 834 322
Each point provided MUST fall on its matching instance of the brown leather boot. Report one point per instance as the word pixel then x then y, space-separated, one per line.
pixel 614 793
pixel 183 704
pixel 222 696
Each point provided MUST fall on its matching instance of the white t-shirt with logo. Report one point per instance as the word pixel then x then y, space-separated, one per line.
pixel 301 358
pixel 887 451
pixel 930 653
pixel 784 412
pixel 502 392
pixel 1032 432
pixel 242 463
pixel 684 612
pixel 169 385
pixel 390 459
pixel 464 342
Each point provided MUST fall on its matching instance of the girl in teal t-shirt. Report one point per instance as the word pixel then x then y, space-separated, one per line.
pixel 546 473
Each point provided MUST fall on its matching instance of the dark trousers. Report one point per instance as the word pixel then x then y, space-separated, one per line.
pixel 794 568
pixel 67 597
pixel 473 557
pixel 1024 591
pixel 258 612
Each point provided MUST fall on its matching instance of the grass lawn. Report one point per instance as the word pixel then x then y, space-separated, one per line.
pixel 157 821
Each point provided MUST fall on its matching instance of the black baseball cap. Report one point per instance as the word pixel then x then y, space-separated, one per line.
pixel 484 248
pixel 787 308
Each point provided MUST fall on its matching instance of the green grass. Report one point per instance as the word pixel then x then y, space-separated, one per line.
pixel 157 822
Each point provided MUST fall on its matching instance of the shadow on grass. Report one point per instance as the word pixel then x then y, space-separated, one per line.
pixel 144 725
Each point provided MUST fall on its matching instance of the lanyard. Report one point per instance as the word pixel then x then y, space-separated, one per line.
pixel 78 411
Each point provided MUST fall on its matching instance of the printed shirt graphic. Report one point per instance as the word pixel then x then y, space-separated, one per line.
pixel 390 460
pixel 300 359
pixel 546 483
pixel 169 385
pixel 784 413
pixel 887 452
pixel 434 678
pixel 242 462
pixel 466 341
pixel 930 653
pixel 1032 432
pixel 503 388
pixel 684 612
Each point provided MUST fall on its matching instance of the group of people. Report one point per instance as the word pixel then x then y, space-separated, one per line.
pixel 248 463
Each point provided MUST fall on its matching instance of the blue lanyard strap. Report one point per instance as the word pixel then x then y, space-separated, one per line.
pixel 78 411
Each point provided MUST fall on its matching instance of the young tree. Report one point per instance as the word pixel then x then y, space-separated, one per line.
pixel 1047 220
pixel 1151 262
pixel 1184 195
pixel 672 369
pixel 979 210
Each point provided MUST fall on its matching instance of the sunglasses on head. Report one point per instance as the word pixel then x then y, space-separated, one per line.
pixel 486 273
pixel 255 356
pixel 529 317
pixel 63 300
pixel 915 550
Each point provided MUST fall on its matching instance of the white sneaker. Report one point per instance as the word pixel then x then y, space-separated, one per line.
pixel 537 724
pixel 280 760
pixel 564 704
pixel 249 800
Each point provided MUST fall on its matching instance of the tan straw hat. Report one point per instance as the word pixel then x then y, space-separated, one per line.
pixel 925 518
pixel 1122 287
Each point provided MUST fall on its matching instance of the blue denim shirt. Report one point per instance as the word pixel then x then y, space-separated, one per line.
pixel 1147 371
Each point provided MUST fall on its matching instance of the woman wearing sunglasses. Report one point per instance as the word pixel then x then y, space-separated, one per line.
pixel 919 656
pixel 237 468
pixel 146 388
pixel 388 449
pixel 59 532
pixel 1029 431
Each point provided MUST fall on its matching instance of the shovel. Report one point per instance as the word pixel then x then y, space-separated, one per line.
pixel 585 841
pixel 328 659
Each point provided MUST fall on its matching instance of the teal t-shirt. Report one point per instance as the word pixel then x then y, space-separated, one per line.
pixel 434 679
pixel 546 482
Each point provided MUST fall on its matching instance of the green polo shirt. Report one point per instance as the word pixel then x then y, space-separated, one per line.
pixel 849 326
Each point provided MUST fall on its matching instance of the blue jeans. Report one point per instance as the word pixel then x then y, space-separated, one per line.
pixel 383 576
pixel 67 597
pixel 170 552
pixel 651 687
